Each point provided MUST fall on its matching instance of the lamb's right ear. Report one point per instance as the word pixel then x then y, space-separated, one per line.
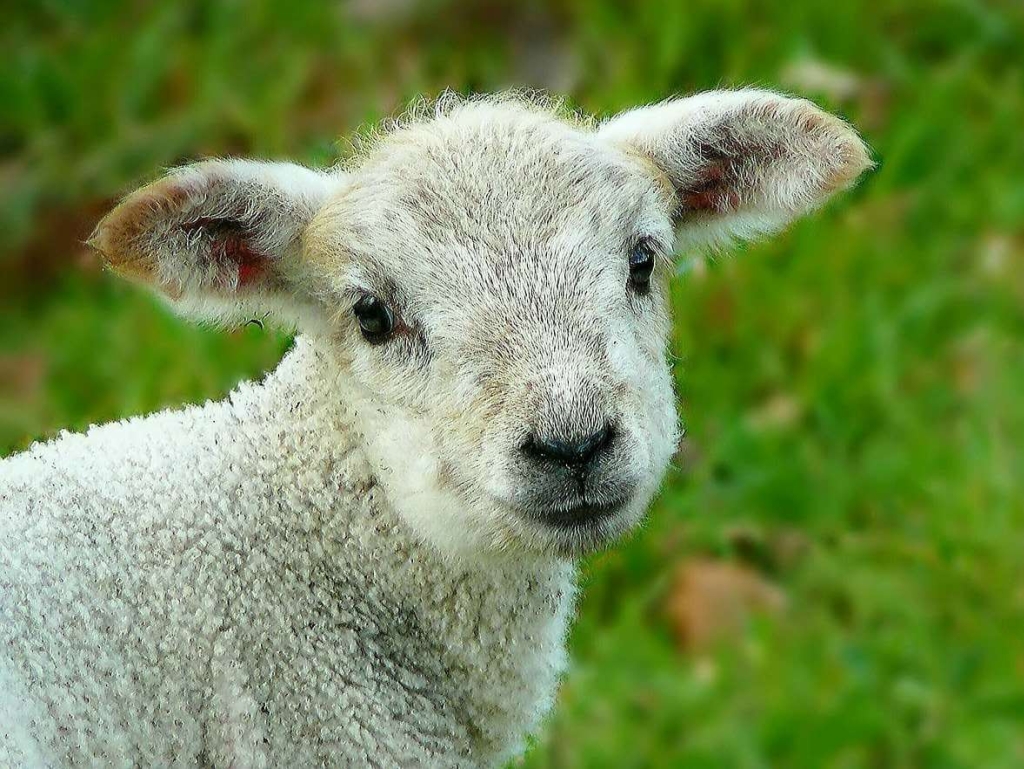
pixel 222 238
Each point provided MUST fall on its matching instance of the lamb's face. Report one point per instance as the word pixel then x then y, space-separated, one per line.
pixel 523 386
pixel 494 283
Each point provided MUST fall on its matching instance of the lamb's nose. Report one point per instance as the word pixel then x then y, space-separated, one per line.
pixel 570 451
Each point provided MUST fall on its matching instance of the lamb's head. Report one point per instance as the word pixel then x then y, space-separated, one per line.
pixel 493 281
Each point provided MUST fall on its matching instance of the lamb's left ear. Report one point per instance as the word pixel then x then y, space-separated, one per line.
pixel 741 163
pixel 222 238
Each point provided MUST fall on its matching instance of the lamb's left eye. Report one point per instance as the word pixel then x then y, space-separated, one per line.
pixel 641 265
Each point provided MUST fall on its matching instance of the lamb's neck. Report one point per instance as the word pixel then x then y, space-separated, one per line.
pixel 305 401
pixel 488 632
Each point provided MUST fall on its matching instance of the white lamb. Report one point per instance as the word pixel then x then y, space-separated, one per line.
pixel 368 558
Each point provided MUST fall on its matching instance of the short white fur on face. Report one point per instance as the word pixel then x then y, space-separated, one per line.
pixel 499 236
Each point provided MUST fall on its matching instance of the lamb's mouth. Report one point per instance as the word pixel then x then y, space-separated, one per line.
pixel 576 514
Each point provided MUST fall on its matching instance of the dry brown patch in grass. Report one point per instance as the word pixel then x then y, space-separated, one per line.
pixel 711 600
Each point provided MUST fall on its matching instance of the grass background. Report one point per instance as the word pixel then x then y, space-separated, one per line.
pixel 851 390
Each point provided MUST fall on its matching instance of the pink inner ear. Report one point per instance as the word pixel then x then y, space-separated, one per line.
pixel 251 265
pixel 249 272
pixel 230 248
pixel 712 192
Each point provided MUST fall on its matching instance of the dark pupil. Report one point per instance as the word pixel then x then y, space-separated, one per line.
pixel 641 265
pixel 375 319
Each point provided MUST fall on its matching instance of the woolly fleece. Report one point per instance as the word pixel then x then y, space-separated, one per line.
pixel 222 586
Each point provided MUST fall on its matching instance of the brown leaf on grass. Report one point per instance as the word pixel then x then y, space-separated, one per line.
pixel 712 599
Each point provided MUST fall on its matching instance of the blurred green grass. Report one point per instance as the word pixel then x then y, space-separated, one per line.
pixel 851 390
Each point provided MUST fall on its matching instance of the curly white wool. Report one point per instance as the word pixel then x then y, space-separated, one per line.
pixel 160 577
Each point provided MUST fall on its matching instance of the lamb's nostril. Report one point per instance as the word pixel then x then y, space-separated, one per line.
pixel 570 452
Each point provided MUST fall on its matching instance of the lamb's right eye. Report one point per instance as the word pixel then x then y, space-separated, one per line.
pixel 376 321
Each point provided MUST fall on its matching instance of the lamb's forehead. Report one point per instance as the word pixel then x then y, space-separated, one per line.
pixel 490 177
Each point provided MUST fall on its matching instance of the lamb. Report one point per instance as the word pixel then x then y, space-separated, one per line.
pixel 368 558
